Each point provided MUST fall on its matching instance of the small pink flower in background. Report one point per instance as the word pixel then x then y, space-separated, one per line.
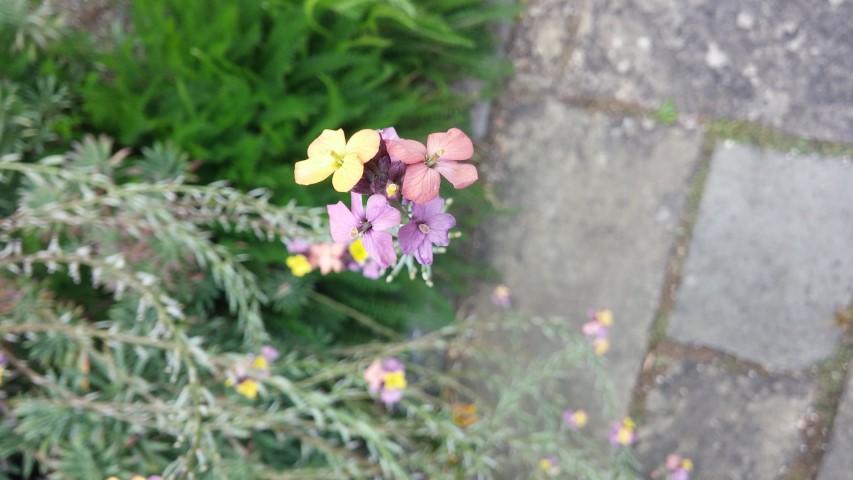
pixel 298 245
pixel 501 296
pixel 428 227
pixel 327 257
pixel 269 353
pixel 550 465
pixel 623 433
pixel 388 378
pixel 679 468
pixel 427 164
pixel 598 328
pixel 371 224
pixel 575 418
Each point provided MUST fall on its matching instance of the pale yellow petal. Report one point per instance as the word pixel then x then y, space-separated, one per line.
pixel 315 169
pixel 328 141
pixel 365 144
pixel 348 174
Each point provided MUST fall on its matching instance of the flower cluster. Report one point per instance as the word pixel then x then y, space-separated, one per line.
pixel 330 257
pixel 401 179
pixel 575 419
pixel 678 468
pixel 623 433
pixel 501 296
pixel 388 377
pixel 598 328
pixel 2 367
pixel 244 376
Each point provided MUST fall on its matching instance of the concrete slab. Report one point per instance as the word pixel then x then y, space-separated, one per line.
pixel 770 259
pixel 733 426
pixel 786 64
pixel 596 202
pixel 838 460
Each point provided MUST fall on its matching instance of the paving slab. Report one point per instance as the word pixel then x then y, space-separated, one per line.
pixel 733 426
pixel 594 204
pixel 771 259
pixel 838 459
pixel 787 64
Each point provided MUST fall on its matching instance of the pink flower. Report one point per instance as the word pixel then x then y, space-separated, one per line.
pixel 374 376
pixel 427 164
pixel 327 257
pixel 372 225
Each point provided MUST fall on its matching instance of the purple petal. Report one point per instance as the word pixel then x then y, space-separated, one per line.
pixel 298 245
pixel 372 270
pixel 269 353
pixel 380 246
pixel 390 397
pixel 381 215
pixel 438 227
pixel 357 206
pixel 424 253
pixel 391 364
pixel 341 222
pixel 389 133
pixel 425 211
pixel 410 237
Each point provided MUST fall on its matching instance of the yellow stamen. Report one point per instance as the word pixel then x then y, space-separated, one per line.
pixel 395 380
pixel 356 249
pixel 392 189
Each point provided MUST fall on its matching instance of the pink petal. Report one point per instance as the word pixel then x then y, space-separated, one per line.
pixel 456 145
pixel 420 183
pixel 381 215
pixel 407 151
pixel 438 227
pixel 357 206
pixel 380 246
pixel 459 174
pixel 341 222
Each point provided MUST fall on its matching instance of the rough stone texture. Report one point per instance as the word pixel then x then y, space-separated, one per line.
pixel 733 427
pixel 838 460
pixel 594 205
pixel 771 257
pixel 787 64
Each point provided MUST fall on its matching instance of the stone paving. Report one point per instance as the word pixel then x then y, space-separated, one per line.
pixel 752 248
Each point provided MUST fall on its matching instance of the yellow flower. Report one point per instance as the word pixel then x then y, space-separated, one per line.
pixel 299 265
pixel 605 317
pixel 687 464
pixel 395 380
pixel 602 346
pixel 356 249
pixel 545 464
pixel 229 382
pixel 248 388
pixel 629 424
pixel 260 363
pixel 331 154
pixel 137 477
pixel 465 414
pixel 112 478
pixel 580 418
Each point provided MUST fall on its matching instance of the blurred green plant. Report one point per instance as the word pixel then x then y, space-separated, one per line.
pixel 130 374
pixel 245 86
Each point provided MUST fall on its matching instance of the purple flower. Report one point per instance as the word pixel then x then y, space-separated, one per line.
pixel 269 353
pixel 428 227
pixel 501 296
pixel 298 245
pixel 372 224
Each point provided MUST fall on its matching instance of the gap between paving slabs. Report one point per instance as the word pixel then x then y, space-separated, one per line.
pixel 828 375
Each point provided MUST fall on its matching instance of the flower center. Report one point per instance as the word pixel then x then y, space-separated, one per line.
pixel 424 227
pixel 391 189
pixel 433 159
pixel 339 158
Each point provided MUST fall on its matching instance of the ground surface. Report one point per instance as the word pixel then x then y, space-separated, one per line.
pixel 720 231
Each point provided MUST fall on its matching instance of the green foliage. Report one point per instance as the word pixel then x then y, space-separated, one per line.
pixel 246 86
pixel 135 381
pixel 667 113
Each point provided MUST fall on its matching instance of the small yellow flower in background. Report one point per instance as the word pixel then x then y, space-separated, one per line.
pixel 623 433
pixel 358 252
pixel 248 388
pixel 687 464
pixel 299 265
pixel 465 414
pixel 112 478
pixel 604 317
pixel 331 154
pixel 395 380
pixel 575 419
pixel 229 382
pixel 601 345
pixel 550 465
pixel 137 477
pixel 260 363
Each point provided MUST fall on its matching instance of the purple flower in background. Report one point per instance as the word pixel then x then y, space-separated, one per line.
pixel 298 245
pixel 428 227
pixel 269 353
pixel 372 224
pixel 501 296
